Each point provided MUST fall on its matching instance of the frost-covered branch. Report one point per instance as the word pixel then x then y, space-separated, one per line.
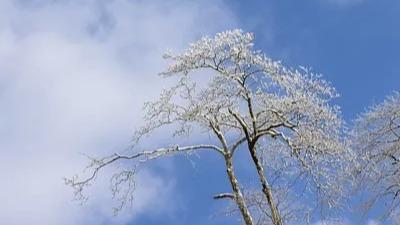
pixel 246 100
pixel 126 176
pixel 376 137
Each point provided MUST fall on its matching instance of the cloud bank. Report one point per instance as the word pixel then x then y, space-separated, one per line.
pixel 73 77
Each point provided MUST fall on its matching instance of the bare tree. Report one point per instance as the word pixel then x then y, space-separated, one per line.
pixel 246 102
pixel 377 140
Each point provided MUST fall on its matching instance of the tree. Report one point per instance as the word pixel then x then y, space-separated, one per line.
pixel 377 139
pixel 281 116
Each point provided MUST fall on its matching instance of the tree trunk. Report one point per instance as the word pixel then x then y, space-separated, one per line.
pixel 238 196
pixel 266 189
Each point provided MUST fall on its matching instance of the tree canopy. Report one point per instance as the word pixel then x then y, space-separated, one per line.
pixel 377 142
pixel 245 101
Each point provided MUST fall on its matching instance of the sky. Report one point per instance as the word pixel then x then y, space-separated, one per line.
pixel 75 73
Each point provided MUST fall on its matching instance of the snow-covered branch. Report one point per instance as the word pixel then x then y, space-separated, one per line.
pixel 239 95
pixel 376 138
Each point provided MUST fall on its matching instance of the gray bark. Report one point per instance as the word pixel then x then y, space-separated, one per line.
pixel 238 195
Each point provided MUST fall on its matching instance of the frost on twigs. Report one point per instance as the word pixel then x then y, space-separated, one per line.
pixel 122 183
pixel 247 101
pixel 377 139
pixel 291 210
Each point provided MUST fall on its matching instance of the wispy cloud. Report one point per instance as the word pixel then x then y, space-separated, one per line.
pixel 73 77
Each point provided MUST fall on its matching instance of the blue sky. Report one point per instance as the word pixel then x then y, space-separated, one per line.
pixel 74 74
pixel 353 43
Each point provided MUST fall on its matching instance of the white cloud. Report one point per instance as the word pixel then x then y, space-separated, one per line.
pixel 73 77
